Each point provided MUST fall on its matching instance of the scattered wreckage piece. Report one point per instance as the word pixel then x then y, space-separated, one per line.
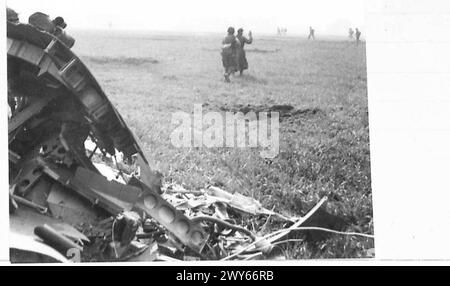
pixel 53 238
pixel 25 249
pixel 117 198
pixel 265 243
pixel 220 211
pixel 243 203
pixel 56 107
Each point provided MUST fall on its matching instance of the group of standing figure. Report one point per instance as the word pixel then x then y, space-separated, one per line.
pixel 357 34
pixel 233 53
pixel 351 33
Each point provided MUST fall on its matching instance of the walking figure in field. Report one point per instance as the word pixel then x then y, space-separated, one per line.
pixel 350 33
pixel 358 35
pixel 242 59
pixel 281 31
pixel 230 44
pixel 311 34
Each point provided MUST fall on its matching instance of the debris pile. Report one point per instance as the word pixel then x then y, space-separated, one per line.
pixel 236 224
pixel 64 135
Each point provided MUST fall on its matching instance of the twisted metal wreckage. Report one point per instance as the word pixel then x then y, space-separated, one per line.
pixel 69 185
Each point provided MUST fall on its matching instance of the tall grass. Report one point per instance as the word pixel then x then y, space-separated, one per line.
pixel 321 153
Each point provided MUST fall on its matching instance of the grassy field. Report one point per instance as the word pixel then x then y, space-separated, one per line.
pixel 324 148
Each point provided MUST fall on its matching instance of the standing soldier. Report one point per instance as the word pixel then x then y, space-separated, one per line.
pixel 229 58
pixel 358 35
pixel 311 33
pixel 242 59
pixel 350 33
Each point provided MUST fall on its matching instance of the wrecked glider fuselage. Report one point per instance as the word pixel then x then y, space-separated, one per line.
pixel 63 134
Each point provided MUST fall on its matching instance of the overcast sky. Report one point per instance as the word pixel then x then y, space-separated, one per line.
pixel 261 16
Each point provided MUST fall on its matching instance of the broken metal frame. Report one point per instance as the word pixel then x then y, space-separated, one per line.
pixel 64 105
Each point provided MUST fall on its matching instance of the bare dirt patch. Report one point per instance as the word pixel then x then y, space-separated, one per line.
pixel 284 110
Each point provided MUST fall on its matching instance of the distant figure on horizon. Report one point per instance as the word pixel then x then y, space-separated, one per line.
pixel 281 31
pixel 350 33
pixel 358 35
pixel 311 33
pixel 230 44
pixel 242 59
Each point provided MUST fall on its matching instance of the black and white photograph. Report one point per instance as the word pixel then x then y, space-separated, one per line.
pixel 188 131
pixel 184 132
